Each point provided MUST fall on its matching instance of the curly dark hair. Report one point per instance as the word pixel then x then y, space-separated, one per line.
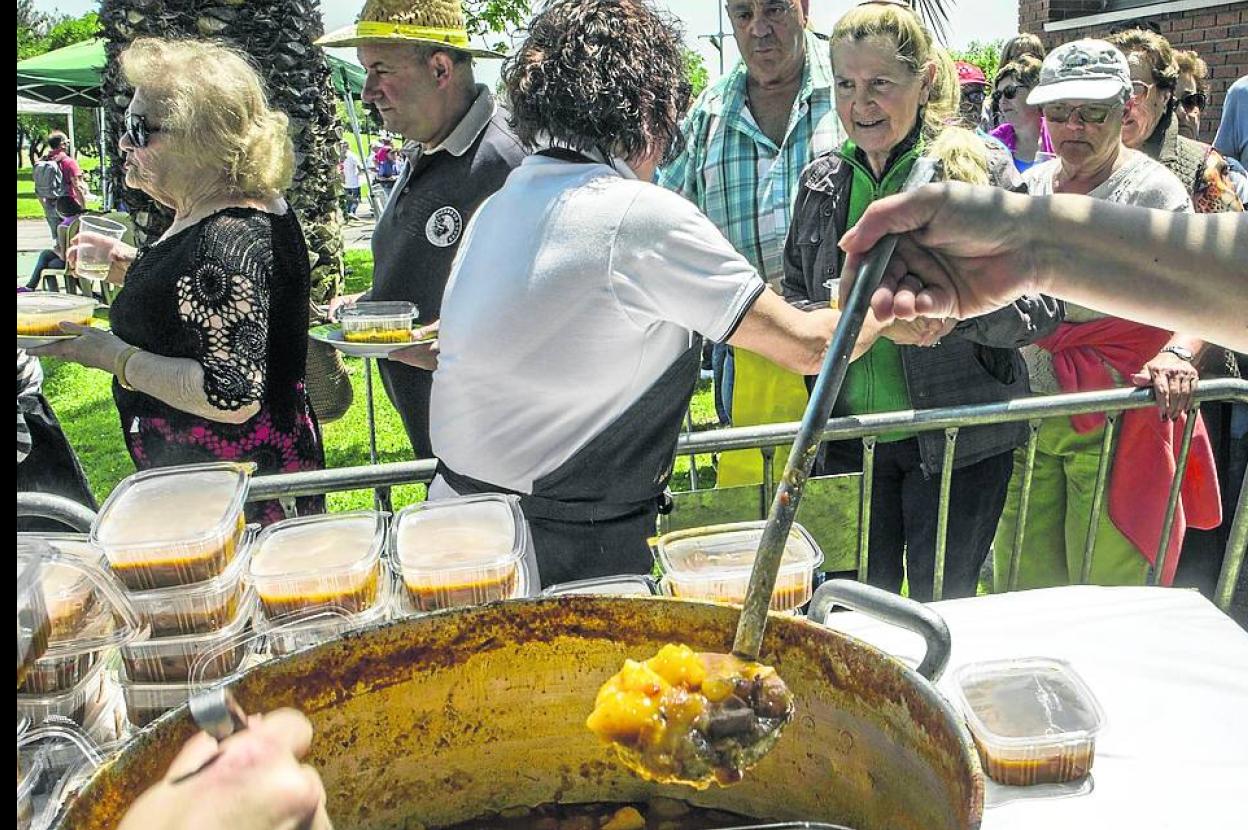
pixel 600 74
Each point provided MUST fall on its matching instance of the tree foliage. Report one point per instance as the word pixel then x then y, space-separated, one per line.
pixel 696 72
pixel 984 54
pixel 485 18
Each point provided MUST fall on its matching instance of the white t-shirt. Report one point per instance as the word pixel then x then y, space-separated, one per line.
pixel 575 288
pixel 350 171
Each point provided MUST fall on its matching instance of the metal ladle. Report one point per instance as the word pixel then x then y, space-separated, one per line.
pixel 753 620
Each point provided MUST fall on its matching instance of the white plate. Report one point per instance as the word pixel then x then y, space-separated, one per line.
pixel 332 334
pixel 30 341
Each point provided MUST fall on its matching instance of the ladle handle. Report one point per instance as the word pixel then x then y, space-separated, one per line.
pixel 891 608
pixel 749 638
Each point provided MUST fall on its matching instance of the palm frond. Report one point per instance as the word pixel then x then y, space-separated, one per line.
pixel 935 13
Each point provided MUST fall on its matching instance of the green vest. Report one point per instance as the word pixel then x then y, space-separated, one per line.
pixel 876 382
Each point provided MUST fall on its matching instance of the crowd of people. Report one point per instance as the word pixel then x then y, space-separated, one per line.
pixel 206 345
pixel 572 244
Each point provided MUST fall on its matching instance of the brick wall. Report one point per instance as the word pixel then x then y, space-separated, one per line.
pixel 1219 34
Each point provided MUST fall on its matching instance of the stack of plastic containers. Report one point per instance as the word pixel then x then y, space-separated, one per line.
pixel 714 563
pixel 464 551
pixel 319 576
pixel 176 538
pixel 85 618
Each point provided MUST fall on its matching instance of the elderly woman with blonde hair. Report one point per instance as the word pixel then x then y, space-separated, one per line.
pixel 209 337
pixel 896 93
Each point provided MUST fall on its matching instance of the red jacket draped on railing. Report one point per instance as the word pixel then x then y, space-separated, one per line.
pixel 1147 447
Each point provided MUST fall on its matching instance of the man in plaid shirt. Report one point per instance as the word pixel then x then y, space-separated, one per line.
pixel 747 139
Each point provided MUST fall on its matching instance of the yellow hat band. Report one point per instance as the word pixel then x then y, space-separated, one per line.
pixel 373 28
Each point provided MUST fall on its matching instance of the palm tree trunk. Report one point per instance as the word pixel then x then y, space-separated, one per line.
pixel 278 35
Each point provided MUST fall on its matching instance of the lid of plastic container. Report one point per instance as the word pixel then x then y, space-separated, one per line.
pixel 378 308
pixel 51 302
pixel 468 533
pixel 206 500
pixel 729 550
pixel 624 585
pixel 1023 701
pixel 29 568
pixel 74 574
pixel 318 545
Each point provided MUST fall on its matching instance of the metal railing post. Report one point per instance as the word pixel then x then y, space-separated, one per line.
pixel 1236 545
pixel 693 458
pixel 864 508
pixel 1098 495
pixel 768 489
pixel 942 513
pixel 1158 571
pixel 1024 504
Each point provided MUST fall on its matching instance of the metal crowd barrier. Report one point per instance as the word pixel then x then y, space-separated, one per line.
pixel 950 420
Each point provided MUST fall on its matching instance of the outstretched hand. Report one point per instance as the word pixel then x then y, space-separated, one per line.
pixel 963 252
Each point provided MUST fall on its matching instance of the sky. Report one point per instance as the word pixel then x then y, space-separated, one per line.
pixel 969 20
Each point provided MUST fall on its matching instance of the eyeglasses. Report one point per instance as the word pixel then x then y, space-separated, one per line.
pixel 138 131
pixel 1193 101
pixel 1088 113
pixel 1009 93
pixel 974 96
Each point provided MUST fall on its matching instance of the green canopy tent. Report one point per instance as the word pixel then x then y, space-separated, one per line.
pixel 74 74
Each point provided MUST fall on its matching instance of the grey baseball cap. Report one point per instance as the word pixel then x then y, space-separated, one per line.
pixel 1082 70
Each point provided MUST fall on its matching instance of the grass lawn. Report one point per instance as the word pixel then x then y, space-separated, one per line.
pixel 28 206
pixel 83 402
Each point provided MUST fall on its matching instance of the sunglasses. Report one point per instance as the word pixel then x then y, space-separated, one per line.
pixel 973 97
pixel 1009 93
pixel 1194 101
pixel 1088 113
pixel 138 131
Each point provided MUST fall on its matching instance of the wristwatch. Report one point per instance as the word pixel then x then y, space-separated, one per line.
pixel 1180 352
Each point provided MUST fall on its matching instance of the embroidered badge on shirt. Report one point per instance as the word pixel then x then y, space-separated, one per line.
pixel 444 226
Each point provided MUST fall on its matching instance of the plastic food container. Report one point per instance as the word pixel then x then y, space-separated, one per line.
pixel 68 591
pixel 40 313
pixel 1034 720
pixel 58 674
pixel 626 585
pixel 33 624
pixel 173 526
pixel 199 608
pixel 312 627
pixel 70 704
pixel 145 702
pixel 714 563
pixel 329 561
pixel 173 659
pixel 457 552
pixel 378 322
pixel 29 775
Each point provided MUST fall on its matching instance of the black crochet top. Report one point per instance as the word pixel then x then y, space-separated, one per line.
pixel 230 292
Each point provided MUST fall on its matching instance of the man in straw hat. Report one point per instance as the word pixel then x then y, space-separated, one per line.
pixel 459 150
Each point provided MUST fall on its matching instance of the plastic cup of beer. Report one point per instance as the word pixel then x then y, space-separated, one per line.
pixel 834 292
pixel 96 237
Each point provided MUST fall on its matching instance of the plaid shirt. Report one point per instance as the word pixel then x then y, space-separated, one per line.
pixel 737 176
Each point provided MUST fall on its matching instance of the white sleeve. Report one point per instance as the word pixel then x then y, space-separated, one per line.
pixel 671 264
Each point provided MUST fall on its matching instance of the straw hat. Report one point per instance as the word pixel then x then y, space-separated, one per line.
pixel 435 22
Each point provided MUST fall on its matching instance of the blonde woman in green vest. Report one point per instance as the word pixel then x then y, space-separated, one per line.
pixel 895 92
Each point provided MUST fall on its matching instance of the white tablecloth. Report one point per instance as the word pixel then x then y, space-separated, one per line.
pixel 1170 671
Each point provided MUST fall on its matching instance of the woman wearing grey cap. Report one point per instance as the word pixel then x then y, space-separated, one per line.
pixel 1083 91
